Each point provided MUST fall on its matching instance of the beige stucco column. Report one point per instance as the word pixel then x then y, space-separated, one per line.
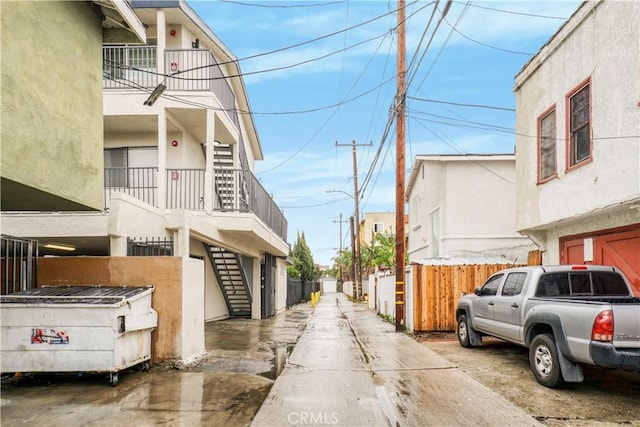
pixel 256 305
pixel 118 245
pixel 161 34
pixel 162 158
pixel 209 196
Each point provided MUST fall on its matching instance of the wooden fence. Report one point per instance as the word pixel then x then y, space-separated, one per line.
pixel 437 289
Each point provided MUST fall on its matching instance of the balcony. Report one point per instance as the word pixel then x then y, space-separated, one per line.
pixel 235 190
pixel 187 70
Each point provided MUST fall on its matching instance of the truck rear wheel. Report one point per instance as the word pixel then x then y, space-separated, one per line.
pixel 544 361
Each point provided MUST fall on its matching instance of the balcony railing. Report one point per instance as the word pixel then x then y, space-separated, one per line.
pixel 130 67
pixel 234 190
pixel 140 183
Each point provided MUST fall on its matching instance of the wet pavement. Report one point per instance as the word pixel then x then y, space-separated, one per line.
pixel 350 368
pixel 335 364
pixel 225 386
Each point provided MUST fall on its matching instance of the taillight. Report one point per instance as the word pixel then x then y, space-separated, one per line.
pixel 579 267
pixel 603 326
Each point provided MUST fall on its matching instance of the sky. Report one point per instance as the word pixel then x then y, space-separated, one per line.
pixel 321 74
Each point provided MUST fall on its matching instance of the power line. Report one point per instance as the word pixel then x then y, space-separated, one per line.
pixel 459 104
pixel 296 45
pixel 486 44
pixel 285 6
pixel 468 156
pixel 511 12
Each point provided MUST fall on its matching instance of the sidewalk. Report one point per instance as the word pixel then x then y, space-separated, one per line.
pixel 350 368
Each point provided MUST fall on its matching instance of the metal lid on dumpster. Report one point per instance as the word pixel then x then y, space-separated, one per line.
pixel 75 295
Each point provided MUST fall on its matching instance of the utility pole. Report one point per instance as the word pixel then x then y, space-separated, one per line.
pixel 340 253
pixel 356 197
pixel 400 167
pixel 354 258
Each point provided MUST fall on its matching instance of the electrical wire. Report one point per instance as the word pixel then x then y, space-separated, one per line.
pixel 486 44
pixel 468 156
pixel 286 6
pixel 459 104
pixel 331 116
pixel 517 13
pixel 296 45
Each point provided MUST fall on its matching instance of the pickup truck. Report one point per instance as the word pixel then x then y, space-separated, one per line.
pixel 565 315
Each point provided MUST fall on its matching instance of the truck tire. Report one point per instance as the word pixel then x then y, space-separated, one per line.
pixel 544 361
pixel 464 332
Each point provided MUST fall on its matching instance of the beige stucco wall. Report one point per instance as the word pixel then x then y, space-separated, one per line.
pixel 52 98
pixel 192 340
pixel 281 285
pixel 214 306
pixel 165 273
pixel 602 42
pixel 370 218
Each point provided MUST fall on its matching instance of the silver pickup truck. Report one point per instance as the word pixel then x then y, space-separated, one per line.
pixel 565 315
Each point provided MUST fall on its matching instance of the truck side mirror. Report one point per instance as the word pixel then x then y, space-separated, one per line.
pixel 478 291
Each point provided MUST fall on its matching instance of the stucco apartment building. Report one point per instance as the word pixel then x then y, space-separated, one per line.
pixel 464 205
pixel 578 140
pixel 150 158
pixel 377 222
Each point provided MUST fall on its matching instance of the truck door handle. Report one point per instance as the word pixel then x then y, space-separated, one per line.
pixel 514 305
pixel 490 302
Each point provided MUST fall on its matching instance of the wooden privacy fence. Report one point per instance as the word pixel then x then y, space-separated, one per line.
pixel 437 289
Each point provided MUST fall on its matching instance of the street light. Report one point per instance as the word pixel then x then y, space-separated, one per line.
pixel 356 248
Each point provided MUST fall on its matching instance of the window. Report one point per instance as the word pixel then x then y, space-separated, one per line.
pixel 435 233
pixel 580 283
pixel 132 167
pixel 547 146
pixel 491 286
pixel 513 284
pixel 579 126
pixel 378 227
pixel 115 164
pixel 608 284
pixel 553 284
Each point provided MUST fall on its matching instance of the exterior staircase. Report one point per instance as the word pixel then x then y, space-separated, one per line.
pixel 232 280
pixel 224 175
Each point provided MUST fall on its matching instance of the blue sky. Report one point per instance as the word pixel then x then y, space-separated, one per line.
pixel 344 92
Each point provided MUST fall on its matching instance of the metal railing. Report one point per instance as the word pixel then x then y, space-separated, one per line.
pixel 141 183
pixel 19 267
pixel 240 191
pixel 126 67
pixel 235 190
pixel 185 189
pixel 129 67
pixel 150 247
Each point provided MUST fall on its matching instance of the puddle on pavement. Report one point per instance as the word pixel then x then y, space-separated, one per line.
pixel 281 355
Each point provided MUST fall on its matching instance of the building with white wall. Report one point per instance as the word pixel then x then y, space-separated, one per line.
pixel 175 173
pixel 578 140
pixel 464 205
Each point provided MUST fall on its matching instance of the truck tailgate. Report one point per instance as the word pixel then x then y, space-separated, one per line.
pixel 626 325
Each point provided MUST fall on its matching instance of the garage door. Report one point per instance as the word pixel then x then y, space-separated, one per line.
pixel 623 251
pixel 620 249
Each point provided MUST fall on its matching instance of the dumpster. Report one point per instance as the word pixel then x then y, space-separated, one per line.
pixel 77 329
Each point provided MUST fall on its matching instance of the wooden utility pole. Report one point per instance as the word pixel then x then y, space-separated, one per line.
pixel 356 199
pixel 354 286
pixel 400 167
pixel 340 253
